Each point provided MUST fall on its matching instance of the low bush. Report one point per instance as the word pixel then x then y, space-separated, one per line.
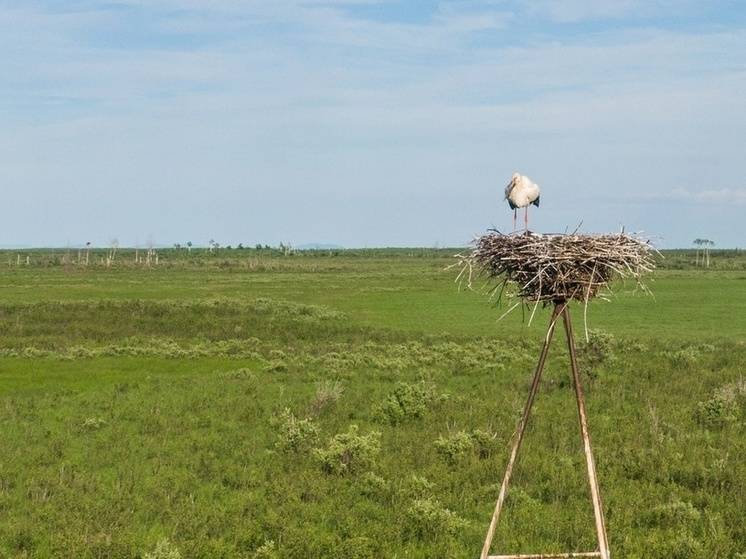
pixel 458 445
pixel 349 452
pixel 597 349
pixel 164 549
pixel 408 401
pixel 454 447
pixel 268 550
pixel 727 405
pixel 428 518
pixel 374 486
pixel 293 434
pixel 684 358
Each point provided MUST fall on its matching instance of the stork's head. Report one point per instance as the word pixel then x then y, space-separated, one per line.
pixel 516 176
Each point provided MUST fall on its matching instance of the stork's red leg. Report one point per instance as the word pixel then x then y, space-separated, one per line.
pixel 515 217
pixel 525 218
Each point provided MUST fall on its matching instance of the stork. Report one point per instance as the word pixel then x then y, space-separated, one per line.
pixel 521 192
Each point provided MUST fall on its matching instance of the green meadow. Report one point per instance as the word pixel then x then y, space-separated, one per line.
pixel 358 405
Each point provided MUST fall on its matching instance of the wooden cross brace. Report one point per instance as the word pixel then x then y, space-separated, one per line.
pixel 561 308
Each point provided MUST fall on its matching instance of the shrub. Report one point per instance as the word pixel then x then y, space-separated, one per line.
pixel 268 550
pixel 485 443
pixel 294 434
pixel 683 358
pixel 418 486
pixel 374 486
pixel 276 366
pixel 407 401
pixel 349 452
pixel 597 349
pixel 428 518
pixel 164 549
pixel 715 411
pixel 726 405
pixel 454 447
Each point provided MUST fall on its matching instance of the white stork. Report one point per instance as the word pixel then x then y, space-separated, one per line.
pixel 521 192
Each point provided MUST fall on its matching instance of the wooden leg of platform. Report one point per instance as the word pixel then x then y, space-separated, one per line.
pixel 548 555
pixel 598 511
pixel 558 308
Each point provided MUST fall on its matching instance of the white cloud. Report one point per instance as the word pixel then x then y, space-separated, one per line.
pixel 573 11
pixel 716 196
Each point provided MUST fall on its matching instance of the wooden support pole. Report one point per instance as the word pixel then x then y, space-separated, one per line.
pixel 520 431
pixel 548 555
pixel 598 510
pixel 560 308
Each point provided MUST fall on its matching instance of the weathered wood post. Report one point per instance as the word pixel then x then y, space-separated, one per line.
pixel 560 308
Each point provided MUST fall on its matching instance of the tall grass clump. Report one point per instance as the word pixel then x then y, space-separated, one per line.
pixel 328 393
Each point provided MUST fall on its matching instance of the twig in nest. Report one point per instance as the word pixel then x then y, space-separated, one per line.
pixel 558 267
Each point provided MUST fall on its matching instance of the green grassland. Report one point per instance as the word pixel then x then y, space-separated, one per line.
pixel 357 404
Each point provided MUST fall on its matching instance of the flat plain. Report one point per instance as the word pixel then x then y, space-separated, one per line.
pixel 358 404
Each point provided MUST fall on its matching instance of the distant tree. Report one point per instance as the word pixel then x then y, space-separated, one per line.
pixel 189 246
pixel 240 246
pixel 177 246
pixel 697 243
pixel 258 246
pixel 286 249
pixel 703 250
pixel 112 252
pixel 708 245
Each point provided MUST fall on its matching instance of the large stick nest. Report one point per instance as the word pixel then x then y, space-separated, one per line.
pixel 556 268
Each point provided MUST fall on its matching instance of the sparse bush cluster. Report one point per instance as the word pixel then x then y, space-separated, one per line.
pixel 408 401
pixel 164 549
pixel 293 434
pixel 684 358
pixel 429 518
pixel 458 445
pixel 349 452
pixel 727 405
pixel 598 348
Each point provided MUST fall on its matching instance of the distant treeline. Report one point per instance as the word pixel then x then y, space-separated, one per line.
pixel 258 257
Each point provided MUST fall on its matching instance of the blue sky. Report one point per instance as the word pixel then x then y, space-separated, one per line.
pixel 368 123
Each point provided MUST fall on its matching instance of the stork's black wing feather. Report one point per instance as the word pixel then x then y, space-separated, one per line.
pixel 536 202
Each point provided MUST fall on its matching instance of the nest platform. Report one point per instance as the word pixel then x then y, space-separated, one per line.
pixel 554 268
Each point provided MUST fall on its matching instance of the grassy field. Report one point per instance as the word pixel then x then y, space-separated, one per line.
pixel 356 404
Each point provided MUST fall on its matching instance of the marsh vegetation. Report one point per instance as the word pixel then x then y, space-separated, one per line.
pixel 356 405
